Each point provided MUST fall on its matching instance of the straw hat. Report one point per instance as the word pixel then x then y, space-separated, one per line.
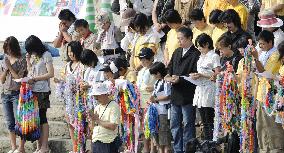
pixel 269 20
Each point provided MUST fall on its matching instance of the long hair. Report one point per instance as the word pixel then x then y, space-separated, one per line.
pixel 11 43
pixel 35 46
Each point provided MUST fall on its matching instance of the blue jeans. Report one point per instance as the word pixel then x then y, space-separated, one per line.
pixel 10 102
pixel 182 126
pixel 100 147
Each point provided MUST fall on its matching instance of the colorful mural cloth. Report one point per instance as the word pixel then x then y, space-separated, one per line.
pixel 38 7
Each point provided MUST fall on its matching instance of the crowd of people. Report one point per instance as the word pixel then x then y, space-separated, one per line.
pixel 147 76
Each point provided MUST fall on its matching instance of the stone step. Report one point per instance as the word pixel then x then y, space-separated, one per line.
pixel 5 145
pixel 54 113
pixel 55 145
pixel 56 129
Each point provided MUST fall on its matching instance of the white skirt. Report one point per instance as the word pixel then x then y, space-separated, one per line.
pixel 205 95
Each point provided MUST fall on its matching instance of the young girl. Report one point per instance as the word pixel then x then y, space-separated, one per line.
pixel 145 83
pixel 207 66
pixel 224 44
pixel 14 67
pixel 40 70
pixel 145 37
pixel 73 74
pixel 161 96
pixel 92 74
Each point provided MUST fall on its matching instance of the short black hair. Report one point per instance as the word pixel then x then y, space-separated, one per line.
pixel 243 41
pixel 158 67
pixel 120 63
pixel 281 50
pixel 197 15
pixel 224 41
pixel 266 36
pixel 88 57
pixel 172 16
pixel 204 39
pixel 34 45
pixel 67 15
pixel 186 32
pixel 140 22
pixel 231 16
pixel 13 44
pixel 81 23
pixel 76 49
pixel 214 17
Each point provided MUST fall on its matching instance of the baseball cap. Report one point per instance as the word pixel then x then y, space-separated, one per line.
pixel 146 53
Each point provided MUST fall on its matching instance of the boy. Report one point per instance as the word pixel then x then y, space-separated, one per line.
pixel 174 21
pixel 87 37
pixel 106 119
pixel 199 24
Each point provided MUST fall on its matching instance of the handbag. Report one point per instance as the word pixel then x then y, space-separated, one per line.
pixel 27 118
pixel 117 142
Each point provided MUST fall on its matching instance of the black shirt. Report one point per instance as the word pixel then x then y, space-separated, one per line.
pixel 236 36
pixel 233 60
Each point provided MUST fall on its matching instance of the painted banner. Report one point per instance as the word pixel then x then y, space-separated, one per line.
pixel 38 7
pixel 5 7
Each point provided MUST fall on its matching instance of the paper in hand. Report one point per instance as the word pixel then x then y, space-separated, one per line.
pixel 267 75
pixel 198 82
pixel 25 79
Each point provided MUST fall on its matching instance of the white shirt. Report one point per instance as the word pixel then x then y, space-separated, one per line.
pixel 143 6
pixel 126 41
pixel 205 94
pixel 264 56
pixel 184 51
pixel 107 40
pixel 94 75
pixel 145 79
pixel 278 37
pixel 39 67
pixel 162 88
pixel 208 62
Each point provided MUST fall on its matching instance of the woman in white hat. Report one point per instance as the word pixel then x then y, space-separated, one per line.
pixel 268 21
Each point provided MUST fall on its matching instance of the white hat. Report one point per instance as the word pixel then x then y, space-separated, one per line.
pixel 269 20
pixel 99 89
pixel 127 16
